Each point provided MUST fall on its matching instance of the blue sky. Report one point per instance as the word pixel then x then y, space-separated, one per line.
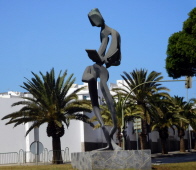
pixel 37 35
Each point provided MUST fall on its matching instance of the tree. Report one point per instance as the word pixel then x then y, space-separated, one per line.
pixel 184 109
pixel 164 117
pixel 52 103
pixel 181 55
pixel 141 87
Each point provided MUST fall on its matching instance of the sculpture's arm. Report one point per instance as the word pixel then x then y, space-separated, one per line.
pixel 103 46
pixel 113 54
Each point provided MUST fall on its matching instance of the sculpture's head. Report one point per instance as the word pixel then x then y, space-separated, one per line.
pixel 96 18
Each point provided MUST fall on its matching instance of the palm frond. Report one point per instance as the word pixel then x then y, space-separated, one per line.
pixel 51 101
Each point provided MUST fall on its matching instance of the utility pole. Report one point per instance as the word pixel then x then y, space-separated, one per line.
pixel 188 84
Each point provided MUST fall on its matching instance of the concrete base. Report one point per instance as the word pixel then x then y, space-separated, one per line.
pixel 99 160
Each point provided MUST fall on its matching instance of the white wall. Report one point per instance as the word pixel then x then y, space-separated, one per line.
pixel 11 139
pixel 93 135
pixel 72 137
pixel 154 136
pixel 130 134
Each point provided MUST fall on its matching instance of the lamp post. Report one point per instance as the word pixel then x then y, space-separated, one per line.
pixel 189 135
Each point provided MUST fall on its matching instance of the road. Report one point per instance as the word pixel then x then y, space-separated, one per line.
pixel 175 158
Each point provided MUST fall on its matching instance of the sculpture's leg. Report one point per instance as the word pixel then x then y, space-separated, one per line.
pixel 110 102
pixel 92 85
pixel 111 106
pixel 88 74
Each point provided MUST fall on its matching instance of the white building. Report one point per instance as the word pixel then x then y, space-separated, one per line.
pixel 78 137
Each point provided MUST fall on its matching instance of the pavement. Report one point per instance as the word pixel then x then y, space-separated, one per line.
pixel 174 157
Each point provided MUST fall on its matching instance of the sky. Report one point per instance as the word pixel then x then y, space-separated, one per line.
pixel 38 35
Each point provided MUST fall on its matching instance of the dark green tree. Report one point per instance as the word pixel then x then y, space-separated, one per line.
pixel 181 50
pixel 51 103
pixel 164 116
pixel 184 110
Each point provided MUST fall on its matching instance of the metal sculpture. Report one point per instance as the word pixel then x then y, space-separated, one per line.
pixel 110 57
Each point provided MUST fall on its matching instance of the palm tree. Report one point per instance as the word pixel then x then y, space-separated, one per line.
pixel 184 109
pixel 141 87
pixel 52 104
pixel 163 117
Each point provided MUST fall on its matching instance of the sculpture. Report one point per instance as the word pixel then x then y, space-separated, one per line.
pixel 110 57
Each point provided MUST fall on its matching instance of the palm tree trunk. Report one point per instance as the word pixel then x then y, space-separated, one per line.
pixel 181 134
pixel 164 146
pixel 195 145
pixel 163 134
pixel 194 140
pixel 57 156
pixel 143 135
pixel 143 139
pixel 182 144
pixel 119 137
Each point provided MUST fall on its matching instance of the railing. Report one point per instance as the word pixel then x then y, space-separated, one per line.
pixel 23 157
pixel 9 158
pixel 66 156
pixel 30 157
pixel 45 154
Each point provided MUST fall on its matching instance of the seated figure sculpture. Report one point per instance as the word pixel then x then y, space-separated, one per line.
pixel 110 57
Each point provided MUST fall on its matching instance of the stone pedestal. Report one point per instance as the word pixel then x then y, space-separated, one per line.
pixel 99 160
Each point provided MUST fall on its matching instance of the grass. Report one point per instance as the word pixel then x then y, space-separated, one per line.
pixel 172 166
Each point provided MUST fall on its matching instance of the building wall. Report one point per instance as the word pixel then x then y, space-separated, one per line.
pixel 12 139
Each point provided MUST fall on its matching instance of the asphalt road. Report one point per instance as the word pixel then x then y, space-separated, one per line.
pixel 174 158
